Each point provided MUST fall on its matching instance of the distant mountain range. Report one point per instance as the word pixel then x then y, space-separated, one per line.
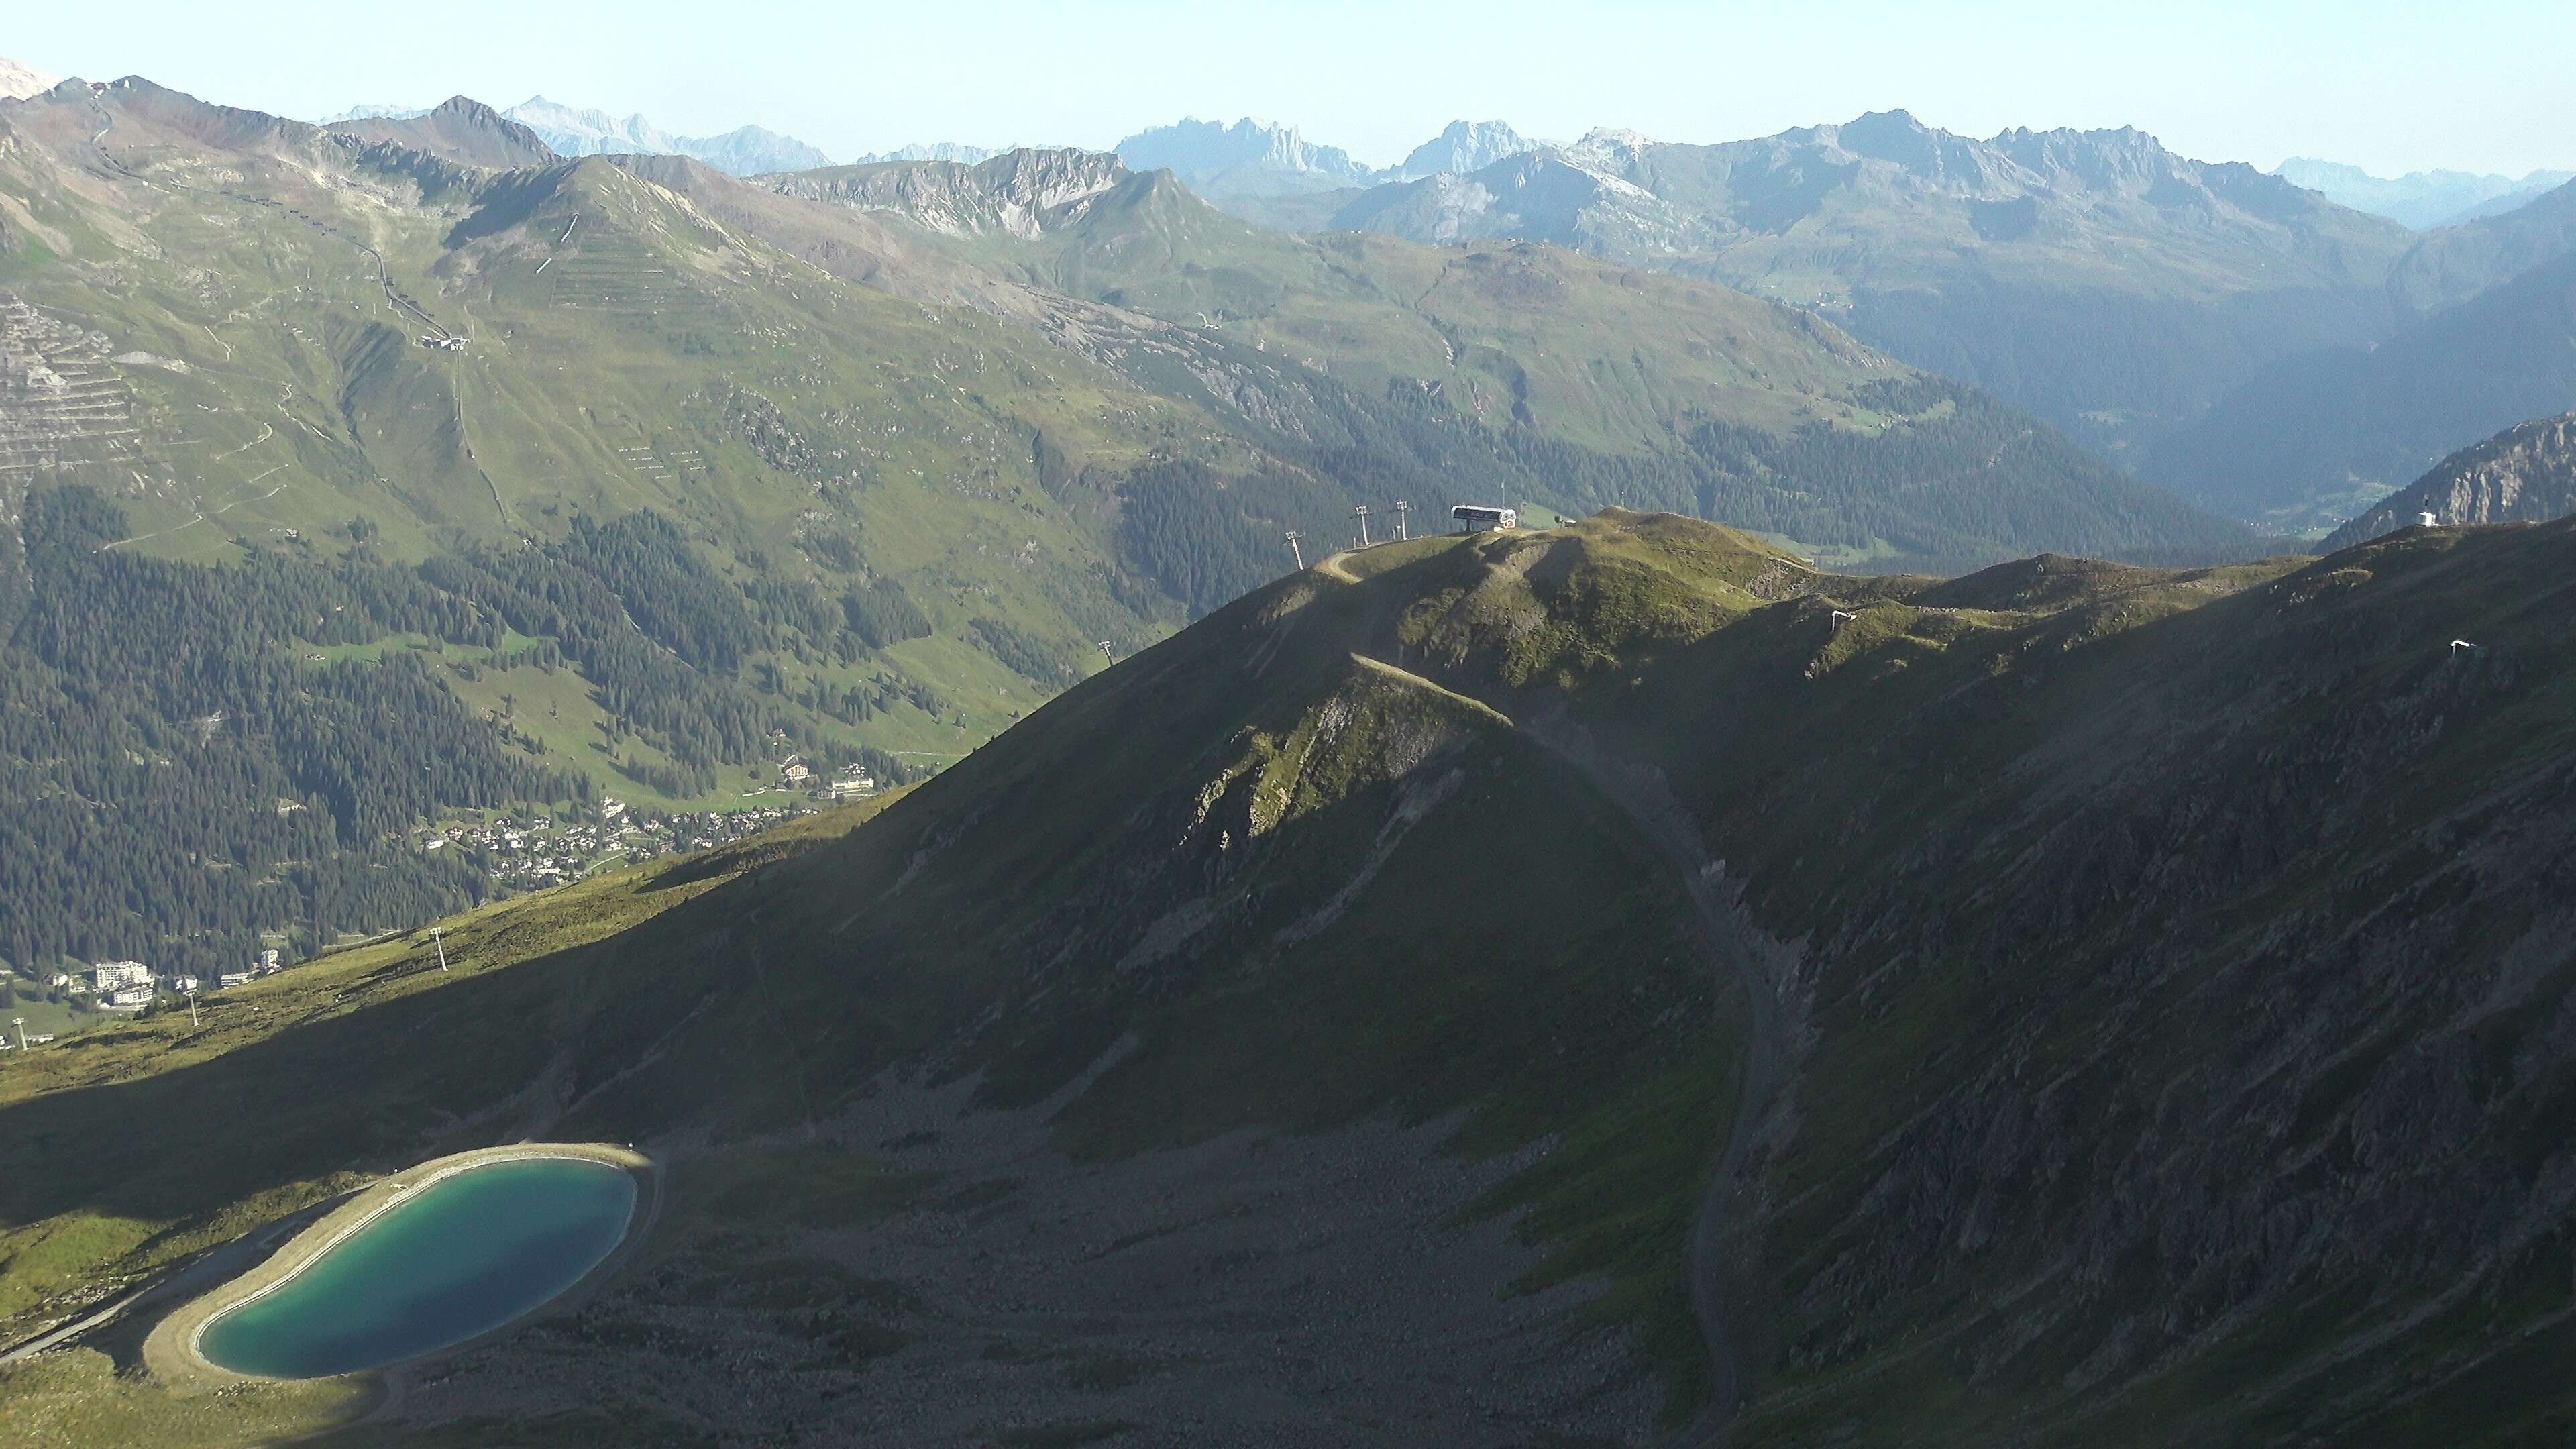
pixel 573 131
pixel 2485 337
pixel 2157 308
pixel 1258 160
pixel 2457 263
pixel 2162 311
pixel 2094 277
pixel 2420 199
pixel 1248 158
pixel 745 151
pixel 931 151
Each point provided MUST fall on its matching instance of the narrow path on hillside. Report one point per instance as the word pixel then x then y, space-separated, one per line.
pixel 384 273
pixel 1641 793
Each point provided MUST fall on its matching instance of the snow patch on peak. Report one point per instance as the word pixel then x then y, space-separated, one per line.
pixel 18 82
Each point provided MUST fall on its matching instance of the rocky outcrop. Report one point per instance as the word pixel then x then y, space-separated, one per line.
pixel 1018 193
pixel 1248 158
pixel 2525 474
pixel 1534 196
pixel 1464 147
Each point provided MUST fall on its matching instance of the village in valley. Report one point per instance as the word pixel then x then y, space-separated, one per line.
pixel 532 852
pixel 516 853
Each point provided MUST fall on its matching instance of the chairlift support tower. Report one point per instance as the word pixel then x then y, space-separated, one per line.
pixel 1403 529
pixel 438 938
pixel 1296 552
pixel 1362 512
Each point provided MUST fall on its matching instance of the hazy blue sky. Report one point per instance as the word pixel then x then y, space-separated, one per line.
pixel 2476 84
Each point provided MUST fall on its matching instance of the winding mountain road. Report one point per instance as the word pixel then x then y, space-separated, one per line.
pixel 1641 793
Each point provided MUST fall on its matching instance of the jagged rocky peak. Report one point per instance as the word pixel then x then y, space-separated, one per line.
pixel 1247 157
pixel 1925 152
pixel 955 151
pixel 575 131
pixel 754 151
pixel 1608 148
pixel 1022 193
pixel 18 82
pixel 1466 146
pixel 2127 159
pixel 376 111
pixel 1050 176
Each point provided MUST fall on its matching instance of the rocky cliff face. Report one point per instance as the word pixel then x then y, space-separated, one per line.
pixel 1464 147
pixel 1533 196
pixel 1018 193
pixel 2525 474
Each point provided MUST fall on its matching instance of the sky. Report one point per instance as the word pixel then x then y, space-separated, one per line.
pixel 2474 85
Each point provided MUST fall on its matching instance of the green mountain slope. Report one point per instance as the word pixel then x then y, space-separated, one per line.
pixel 2075 1002
pixel 464 131
pixel 878 486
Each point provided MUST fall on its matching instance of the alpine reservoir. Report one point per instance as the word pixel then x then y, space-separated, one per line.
pixel 462 1255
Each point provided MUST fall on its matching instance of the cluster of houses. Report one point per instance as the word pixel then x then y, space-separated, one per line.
pixel 852 783
pixel 522 855
pixel 529 855
pixel 127 987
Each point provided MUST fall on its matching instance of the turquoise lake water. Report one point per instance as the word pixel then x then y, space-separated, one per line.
pixel 465 1255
